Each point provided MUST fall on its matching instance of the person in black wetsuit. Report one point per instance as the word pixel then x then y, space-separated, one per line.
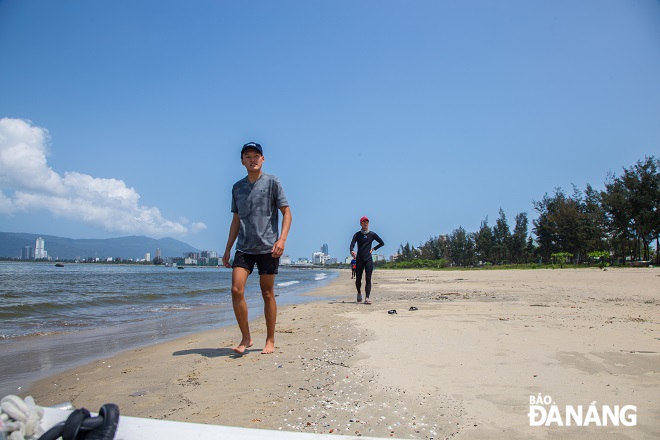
pixel 364 239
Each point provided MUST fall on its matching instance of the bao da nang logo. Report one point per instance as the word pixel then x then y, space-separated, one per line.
pixel 543 411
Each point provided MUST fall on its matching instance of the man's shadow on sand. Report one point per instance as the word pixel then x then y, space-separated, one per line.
pixel 213 352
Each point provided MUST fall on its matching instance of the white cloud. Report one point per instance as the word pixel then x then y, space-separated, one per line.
pixel 27 184
pixel 198 227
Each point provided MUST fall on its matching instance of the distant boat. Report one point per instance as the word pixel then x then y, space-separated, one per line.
pixel 59 264
pixel 180 267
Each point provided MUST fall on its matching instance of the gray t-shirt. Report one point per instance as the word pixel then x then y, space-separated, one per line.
pixel 257 205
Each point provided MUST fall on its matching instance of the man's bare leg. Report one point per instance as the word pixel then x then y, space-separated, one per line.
pixel 267 283
pixel 238 279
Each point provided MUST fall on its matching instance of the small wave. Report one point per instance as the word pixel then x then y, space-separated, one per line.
pixel 287 283
pixel 8 337
pixel 173 307
pixel 320 276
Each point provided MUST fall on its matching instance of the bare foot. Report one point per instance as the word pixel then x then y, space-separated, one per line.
pixel 240 348
pixel 269 348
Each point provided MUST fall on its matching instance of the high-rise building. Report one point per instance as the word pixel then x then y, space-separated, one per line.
pixel 27 253
pixel 324 249
pixel 40 249
pixel 209 254
pixel 318 258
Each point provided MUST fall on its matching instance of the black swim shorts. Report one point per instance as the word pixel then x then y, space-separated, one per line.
pixel 266 263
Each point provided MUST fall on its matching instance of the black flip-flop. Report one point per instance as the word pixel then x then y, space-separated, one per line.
pixel 412 308
pixel 392 312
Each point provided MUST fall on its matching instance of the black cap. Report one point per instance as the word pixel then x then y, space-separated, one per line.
pixel 252 145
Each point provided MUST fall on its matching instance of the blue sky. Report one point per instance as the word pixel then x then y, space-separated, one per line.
pixel 127 117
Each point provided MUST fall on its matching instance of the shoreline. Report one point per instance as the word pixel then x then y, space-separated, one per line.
pixel 34 357
pixel 463 365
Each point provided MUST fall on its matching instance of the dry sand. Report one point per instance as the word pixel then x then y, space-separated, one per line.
pixel 463 365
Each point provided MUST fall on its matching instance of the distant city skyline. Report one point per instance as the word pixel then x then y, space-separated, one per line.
pixel 40 252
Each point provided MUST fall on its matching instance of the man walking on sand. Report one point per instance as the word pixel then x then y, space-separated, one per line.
pixel 255 202
pixel 364 239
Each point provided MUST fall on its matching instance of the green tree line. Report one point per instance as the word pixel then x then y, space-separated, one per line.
pixel 619 223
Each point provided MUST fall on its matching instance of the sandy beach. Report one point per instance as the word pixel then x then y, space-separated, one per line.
pixel 463 363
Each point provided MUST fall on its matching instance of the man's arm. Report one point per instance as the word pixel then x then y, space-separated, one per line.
pixel 278 248
pixel 233 234
pixel 380 241
pixel 353 241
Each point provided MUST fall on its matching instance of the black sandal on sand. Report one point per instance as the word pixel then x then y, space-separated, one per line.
pixel 412 308
pixel 392 312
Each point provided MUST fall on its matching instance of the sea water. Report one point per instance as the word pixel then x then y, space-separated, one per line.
pixel 54 318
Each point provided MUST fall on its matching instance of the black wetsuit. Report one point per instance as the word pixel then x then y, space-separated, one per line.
pixel 363 258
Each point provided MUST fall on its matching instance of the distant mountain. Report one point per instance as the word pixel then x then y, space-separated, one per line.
pixel 134 247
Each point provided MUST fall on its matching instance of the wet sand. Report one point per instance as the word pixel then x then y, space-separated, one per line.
pixel 463 365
